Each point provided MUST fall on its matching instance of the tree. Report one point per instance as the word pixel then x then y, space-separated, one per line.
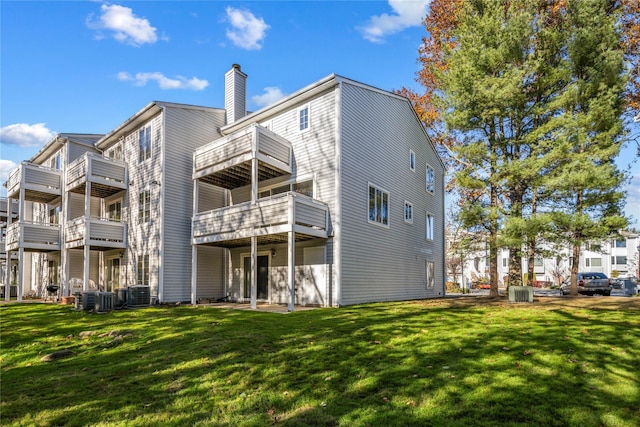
pixel 588 129
pixel 495 73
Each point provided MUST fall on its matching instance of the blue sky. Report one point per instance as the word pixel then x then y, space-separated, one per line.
pixel 86 66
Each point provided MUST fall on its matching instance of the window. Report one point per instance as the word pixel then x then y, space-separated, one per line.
pixel 55 162
pixel 303 118
pixel 144 206
pixel 115 152
pixel 378 206
pixel 586 262
pixel 429 226
pixel 144 142
pixel 54 215
pixel 505 262
pixel 621 243
pixel 619 260
pixel 408 212
pixel 114 211
pixel 143 270
pixel 431 280
pixel 412 160
pixel 304 187
pixel 538 262
pixel 431 179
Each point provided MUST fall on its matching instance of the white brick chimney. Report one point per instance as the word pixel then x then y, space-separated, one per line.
pixel 235 94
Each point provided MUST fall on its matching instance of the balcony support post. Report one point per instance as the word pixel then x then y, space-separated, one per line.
pixel 254 180
pixel 20 274
pixel 254 272
pixel 7 280
pixel 194 273
pixel 87 225
pixel 291 269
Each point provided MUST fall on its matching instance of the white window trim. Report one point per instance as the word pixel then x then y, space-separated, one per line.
pixel 412 156
pixel 148 219
pixel 308 108
pixel 434 179
pixel 379 224
pixel 148 268
pixel 432 228
pixel 146 128
pixel 410 220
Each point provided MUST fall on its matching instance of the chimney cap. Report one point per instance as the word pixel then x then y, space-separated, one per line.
pixel 236 66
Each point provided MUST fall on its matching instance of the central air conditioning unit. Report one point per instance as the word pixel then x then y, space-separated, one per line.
pixel 138 296
pixel 520 293
pixel 85 300
pixel 104 301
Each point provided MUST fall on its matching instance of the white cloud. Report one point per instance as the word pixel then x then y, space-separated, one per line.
pixel 179 82
pixel 25 135
pixel 126 27
pixel 633 199
pixel 6 166
pixel 405 14
pixel 247 31
pixel 270 95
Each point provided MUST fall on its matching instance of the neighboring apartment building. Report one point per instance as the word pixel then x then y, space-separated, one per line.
pixel 334 192
pixel 617 256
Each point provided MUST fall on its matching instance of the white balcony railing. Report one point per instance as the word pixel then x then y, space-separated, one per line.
pixel 108 173
pixel 226 161
pixel 33 236
pixel 273 215
pixel 41 184
pixel 95 232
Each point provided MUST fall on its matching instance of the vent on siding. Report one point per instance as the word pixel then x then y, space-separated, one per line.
pixel 235 94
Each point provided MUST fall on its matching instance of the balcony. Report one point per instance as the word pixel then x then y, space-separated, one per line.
pixel 226 162
pixel 40 184
pixel 269 219
pixel 33 237
pixel 107 176
pixel 4 213
pixel 98 233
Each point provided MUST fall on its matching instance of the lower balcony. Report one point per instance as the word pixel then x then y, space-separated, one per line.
pixel 33 237
pixel 269 219
pixel 97 233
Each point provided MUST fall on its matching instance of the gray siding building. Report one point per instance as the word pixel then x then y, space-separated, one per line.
pixel 331 196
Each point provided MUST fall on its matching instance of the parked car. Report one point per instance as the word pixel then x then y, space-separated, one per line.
pixel 589 284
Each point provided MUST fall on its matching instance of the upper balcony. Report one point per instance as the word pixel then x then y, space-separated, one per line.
pixel 4 211
pixel 40 183
pixel 269 219
pixel 33 237
pixel 226 162
pixel 107 176
pixel 98 233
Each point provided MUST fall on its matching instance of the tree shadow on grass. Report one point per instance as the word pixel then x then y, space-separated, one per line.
pixel 381 364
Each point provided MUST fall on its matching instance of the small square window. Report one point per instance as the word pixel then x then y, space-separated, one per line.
pixel 430 225
pixel 408 212
pixel 303 118
pixel 412 160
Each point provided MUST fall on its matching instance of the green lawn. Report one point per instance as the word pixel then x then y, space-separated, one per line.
pixel 397 364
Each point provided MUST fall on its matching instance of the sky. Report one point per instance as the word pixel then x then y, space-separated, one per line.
pixel 87 66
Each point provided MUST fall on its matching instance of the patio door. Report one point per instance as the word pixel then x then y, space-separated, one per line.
pixel 113 274
pixel 263 277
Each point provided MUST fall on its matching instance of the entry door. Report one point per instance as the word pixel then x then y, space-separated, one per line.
pixel 315 281
pixel 263 277
pixel 113 274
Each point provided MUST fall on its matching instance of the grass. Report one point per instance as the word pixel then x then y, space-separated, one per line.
pixel 395 364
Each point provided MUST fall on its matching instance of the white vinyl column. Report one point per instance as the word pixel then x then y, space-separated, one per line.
pixel 87 221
